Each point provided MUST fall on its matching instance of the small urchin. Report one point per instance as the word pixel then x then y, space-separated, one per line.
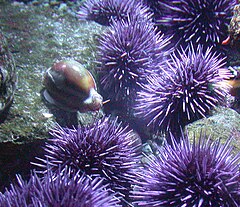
pixel 127 53
pixel 62 189
pixel 106 149
pixel 201 174
pixel 186 90
pixel 201 21
pixel 105 11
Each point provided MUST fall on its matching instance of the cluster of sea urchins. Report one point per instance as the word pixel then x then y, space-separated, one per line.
pixel 200 174
pixel 201 21
pixel 106 11
pixel 106 149
pixel 186 89
pixel 128 52
pixel 64 190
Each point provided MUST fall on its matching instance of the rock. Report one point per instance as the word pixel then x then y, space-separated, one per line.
pixel 40 37
pixel 234 37
pixel 224 123
pixel 8 78
pixel 234 27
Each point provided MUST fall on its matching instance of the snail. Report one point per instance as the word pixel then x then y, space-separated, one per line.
pixel 71 87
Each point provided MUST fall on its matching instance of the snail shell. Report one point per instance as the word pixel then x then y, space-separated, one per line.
pixel 69 86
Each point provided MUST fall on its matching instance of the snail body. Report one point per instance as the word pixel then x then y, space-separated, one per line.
pixel 69 86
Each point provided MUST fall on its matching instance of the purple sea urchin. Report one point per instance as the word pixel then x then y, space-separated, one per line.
pixel 201 21
pixel 158 7
pixel 128 52
pixel 63 190
pixel 199 174
pixel 105 149
pixel 185 91
pixel 105 11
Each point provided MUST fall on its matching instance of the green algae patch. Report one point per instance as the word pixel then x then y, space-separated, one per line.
pixel 223 123
pixel 39 36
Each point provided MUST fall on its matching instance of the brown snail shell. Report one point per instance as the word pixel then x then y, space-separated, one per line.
pixel 69 86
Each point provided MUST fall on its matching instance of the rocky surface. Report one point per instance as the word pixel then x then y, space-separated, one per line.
pixel 222 124
pixel 37 36
pixel 234 37
pixel 8 78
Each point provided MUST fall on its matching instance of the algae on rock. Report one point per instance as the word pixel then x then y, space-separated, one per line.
pixel 223 123
pixel 8 78
pixel 39 37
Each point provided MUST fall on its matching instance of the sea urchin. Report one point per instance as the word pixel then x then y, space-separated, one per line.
pixel 185 91
pixel 105 149
pixel 202 21
pixel 105 11
pixel 128 52
pixel 199 174
pixel 62 190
